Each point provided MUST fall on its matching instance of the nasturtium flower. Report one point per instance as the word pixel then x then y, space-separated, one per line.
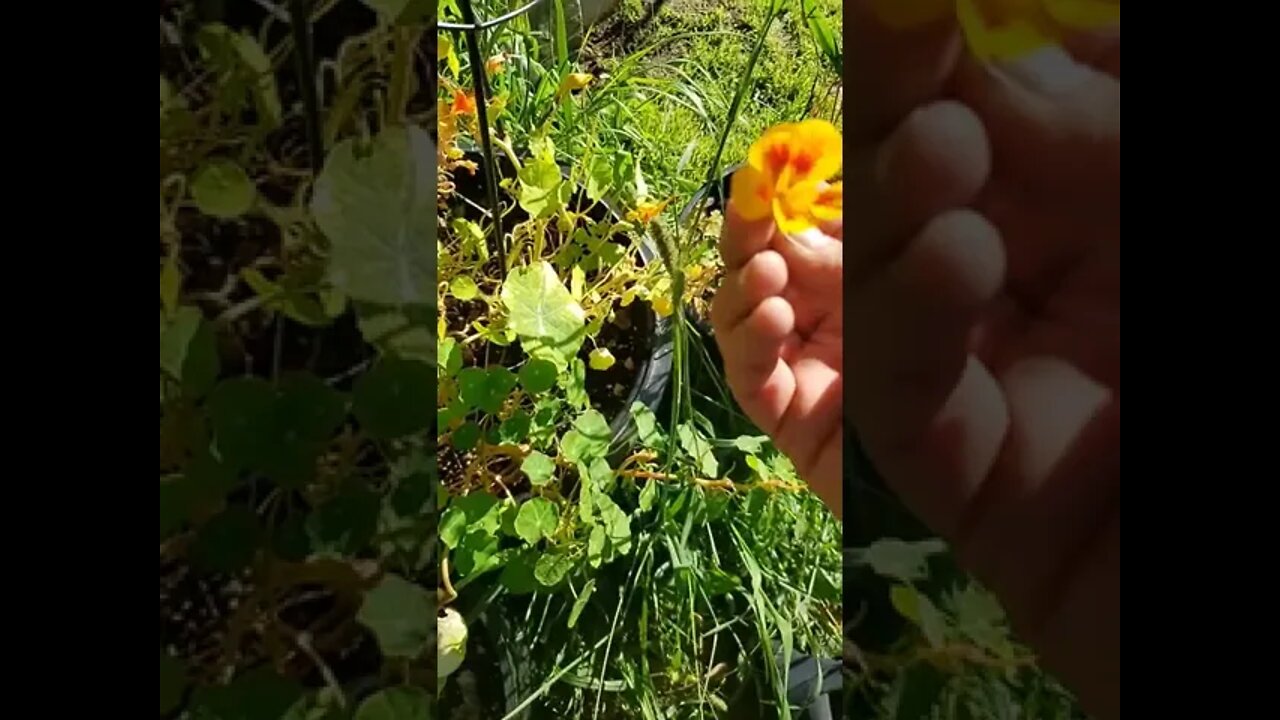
pixel 788 174
pixel 464 103
pixel 646 211
pixel 495 64
pixel 451 632
pixel 1005 29
pixel 574 81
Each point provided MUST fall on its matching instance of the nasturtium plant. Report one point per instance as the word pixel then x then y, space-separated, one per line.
pixel 297 339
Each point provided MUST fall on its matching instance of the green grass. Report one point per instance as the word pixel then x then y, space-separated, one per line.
pixel 701 48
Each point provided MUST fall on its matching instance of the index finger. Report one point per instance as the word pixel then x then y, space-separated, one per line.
pixel 899 55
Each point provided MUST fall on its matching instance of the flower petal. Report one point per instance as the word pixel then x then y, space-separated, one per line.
pixel 751 193
pixel 772 151
pixel 1005 29
pixel 791 208
pixel 829 204
pixel 818 152
pixel 1084 14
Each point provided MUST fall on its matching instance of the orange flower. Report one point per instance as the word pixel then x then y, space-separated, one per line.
pixel 495 64
pixel 1005 29
pixel 787 174
pixel 464 103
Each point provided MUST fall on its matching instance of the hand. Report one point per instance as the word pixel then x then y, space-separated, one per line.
pixel 779 322
pixel 984 292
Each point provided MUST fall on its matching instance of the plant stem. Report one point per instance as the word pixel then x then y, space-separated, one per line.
pixel 304 62
pixel 482 116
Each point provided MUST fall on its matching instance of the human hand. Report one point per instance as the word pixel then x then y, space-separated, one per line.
pixel 779 321
pixel 984 294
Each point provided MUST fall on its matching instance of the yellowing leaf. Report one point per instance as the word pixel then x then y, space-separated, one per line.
pixel 601 359
pixel 452 649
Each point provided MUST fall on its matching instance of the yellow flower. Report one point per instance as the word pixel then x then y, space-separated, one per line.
pixel 787 174
pixel 573 81
pixel 645 212
pixel 1005 29
pixel 495 64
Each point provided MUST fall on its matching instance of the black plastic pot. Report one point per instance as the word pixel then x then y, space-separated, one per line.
pixel 653 372
pixel 714 202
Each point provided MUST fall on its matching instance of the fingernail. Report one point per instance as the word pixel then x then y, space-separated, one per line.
pixel 1051 71
pixel 812 239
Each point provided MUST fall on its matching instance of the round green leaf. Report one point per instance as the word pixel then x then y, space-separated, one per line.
pixel 471 382
pixel 539 468
pixel 397 703
pixel 173 681
pixel 538 376
pixel 449 356
pixel 412 492
pixel 543 314
pixel 242 411
pixel 453 526
pixel 346 523
pixel 537 519
pixel 376 206
pixel 515 429
pixel 518 574
pixel 498 384
pixel 401 616
pixel 308 408
pixel 551 568
pixel 477 553
pixel 589 438
pixel 228 541
pixel 256 695
pixel 464 288
pixel 222 188
pixel 466 436
pixel 395 398
pixel 175 504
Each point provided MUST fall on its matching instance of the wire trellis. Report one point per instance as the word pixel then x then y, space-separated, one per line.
pixel 471 28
